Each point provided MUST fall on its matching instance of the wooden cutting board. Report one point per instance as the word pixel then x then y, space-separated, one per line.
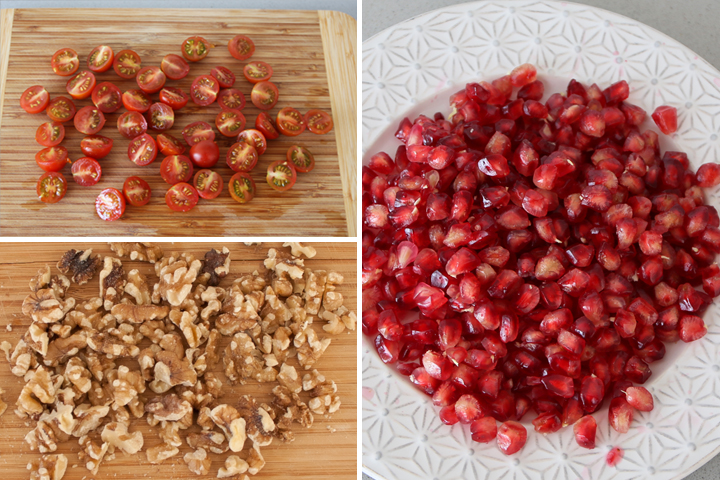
pixel 327 451
pixel 313 58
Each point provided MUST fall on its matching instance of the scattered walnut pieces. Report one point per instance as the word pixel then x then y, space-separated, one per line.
pixel 259 424
pixel 234 465
pixel 211 441
pixel 232 425
pixel 112 282
pixel 177 274
pixel 80 265
pixel 216 266
pixel 142 252
pixel 117 435
pixel 138 287
pixel 44 306
pixel 48 467
pixel 198 462
pixel 58 283
pixel 297 249
pixel 91 454
pixel 160 453
pixel 255 460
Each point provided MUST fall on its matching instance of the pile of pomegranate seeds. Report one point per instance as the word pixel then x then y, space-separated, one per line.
pixel 550 249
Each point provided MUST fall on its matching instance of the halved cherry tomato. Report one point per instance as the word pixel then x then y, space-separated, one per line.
pixel 318 121
pixel 51 187
pixel 241 187
pixel 170 145
pixel 264 95
pixel 231 99
pixel 204 90
pixel 52 159
pixel 65 62
pixel 160 117
pixel 230 122
pixel 131 124
pixel 181 197
pixel 301 158
pixel 107 97
pixel 208 184
pixel 205 154
pixel 110 204
pixel 50 134
pixel 174 66
pixel 267 127
pixel 86 171
pixel 197 132
pixel 150 79
pixel 136 101
pixel 174 97
pixel 242 157
pixel 281 175
pixel 35 99
pixel 137 191
pixel 224 76
pixel 241 47
pixel 100 59
pixel 142 150
pixel 89 120
pixel 60 109
pixel 127 64
pixel 254 138
pixel 96 146
pixel 257 72
pixel 176 168
pixel 195 48
pixel 290 122
pixel 81 85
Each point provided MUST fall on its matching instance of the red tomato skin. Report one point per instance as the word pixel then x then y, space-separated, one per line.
pixel 136 101
pixel 217 184
pixel 156 84
pixel 56 178
pixel 82 163
pixel 39 98
pixel 82 119
pixel 311 120
pixel 42 132
pixel 224 76
pixel 192 138
pixel 110 204
pixel 248 194
pixel 54 112
pixel 75 63
pixel 228 113
pixel 174 97
pixel 205 154
pixel 89 146
pixel 100 94
pixel 139 141
pixel 59 160
pixel 223 98
pixel 170 174
pixel 140 184
pixel 204 90
pixel 174 67
pixel 183 188
pixel 105 66
pixel 264 123
pixel 233 45
pixel 135 118
pixel 264 95
pixel 186 48
pixel 88 81
pixel 122 71
pixel 170 145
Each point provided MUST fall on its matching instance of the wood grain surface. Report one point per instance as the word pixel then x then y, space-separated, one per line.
pixel 322 203
pixel 326 451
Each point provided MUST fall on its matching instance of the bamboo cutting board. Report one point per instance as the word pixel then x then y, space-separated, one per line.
pixel 313 58
pixel 327 451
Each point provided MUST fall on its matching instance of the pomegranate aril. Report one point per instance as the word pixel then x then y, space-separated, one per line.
pixel 468 409
pixel 592 392
pixel 665 118
pixel 389 326
pixel 511 437
pixel 691 328
pixel 625 323
pixel 424 381
pixel 585 430
pixel 708 175
pixel 571 342
pixel 547 423
pixel 639 398
pixel 447 415
pixel 481 359
pixel 445 395
pixel 614 456
pixel 637 370
pixel 388 350
pixel 489 384
pixel 559 385
pixel 620 414
pixel 616 93
pixel 522 75
pixel 381 164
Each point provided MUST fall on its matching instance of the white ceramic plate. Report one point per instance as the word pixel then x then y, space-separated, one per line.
pixel 412 68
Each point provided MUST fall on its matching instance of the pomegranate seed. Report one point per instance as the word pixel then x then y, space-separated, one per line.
pixel 528 297
pixel 620 414
pixel 691 328
pixel 445 395
pixel 388 350
pixel 639 398
pixel 424 381
pixel 637 370
pixel 447 415
pixel 571 342
pixel 559 385
pixel 585 430
pixel 617 92
pixel 522 75
pixel 506 283
pixel 665 118
pixel 511 437
pixel 480 359
pixel 381 164
pixel 389 326
pixel 592 123
pixel 489 383
pixel 597 197
pixel 625 323
pixel 614 456
pixel 468 409
pixel 574 282
pixel 708 175
pixel 532 91
pixel 592 391
pixel 547 423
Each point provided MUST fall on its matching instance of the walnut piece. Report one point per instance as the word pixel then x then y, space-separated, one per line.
pixel 168 408
pixel 112 283
pixel 21 359
pixel 160 453
pixel 117 435
pixel 61 349
pixel 176 274
pixel 216 266
pixel 76 373
pixel 259 424
pixel 232 425
pixel 88 418
pixel 297 249
pixel 125 312
pixel 280 262
pixel 243 361
pixel 58 283
pixel 48 467
pixel 288 378
pixel 173 371
pixel 138 287
pixel 44 306
pixel 80 265
pixel 198 462
pixel 255 460
pixel 234 465
pixel 214 442
pixel 142 252
pixel 92 454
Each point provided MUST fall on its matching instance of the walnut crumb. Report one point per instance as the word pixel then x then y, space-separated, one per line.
pixel 80 265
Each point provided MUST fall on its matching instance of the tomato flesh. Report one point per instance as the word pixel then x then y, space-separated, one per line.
pixel 86 171
pixel 197 132
pixel 256 72
pixel 204 90
pixel 224 76
pixel 174 66
pixel 110 204
pixel 100 59
pixel 241 47
pixel 241 187
pixel 230 122
pixel 65 62
pixel 290 122
pixel 161 117
pixel 208 184
pixel 52 159
pixel 107 97
pixel 264 123
pixel 242 157
pixel 81 85
pixel 127 64
pixel 137 191
pixel 174 97
pixel 50 134
pixel 89 120
pixel 170 145
pixel 281 175
pixel 96 146
pixel 181 197
pixel 136 101
pixel 254 138
pixel 60 109
pixel 176 168
pixel 150 79
pixel 51 187
pixel 231 99
pixel 318 121
pixel 35 99
pixel 205 154
pixel 195 48
pixel 264 95
pixel 301 158
pixel 142 150
pixel 131 124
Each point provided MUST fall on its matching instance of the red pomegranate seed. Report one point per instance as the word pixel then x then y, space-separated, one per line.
pixel 468 409
pixel 445 395
pixel 528 297
pixel 592 123
pixel 614 456
pixel 708 175
pixel 381 164
pixel 511 437
pixel 625 323
pixel 691 328
pixel 639 398
pixel 483 430
pixel 592 391
pixel 571 342
pixel 559 385
pixel 620 414
pixel 449 333
pixel 585 430
pixel 637 370
pixel 597 197
pixel 388 350
pixel 547 423
pixel 665 118
pixel 424 381
pixel 447 415
pixel 522 75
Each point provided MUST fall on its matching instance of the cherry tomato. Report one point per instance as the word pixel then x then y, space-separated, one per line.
pixel 131 124
pixel 230 122
pixel 96 146
pixel 181 197
pixel 52 159
pixel 35 99
pixel 204 90
pixel 174 97
pixel 127 64
pixel 160 117
pixel 107 97
pixel 224 76
pixel 60 109
pixel 86 171
pixel 290 122
pixel 50 134
pixel 176 168
pixel 254 138
pixel 281 175
pixel 208 184
pixel 170 145
pixel 257 72
pixel 174 66
pixel 231 99
pixel 150 79
pixel 242 157
pixel 318 121
pixel 301 158
pixel 267 127
pixel 195 48
pixel 65 62
pixel 136 101
pixel 204 154
pixel 241 47
pixel 110 204
pixel 241 187
pixel 197 132
pixel 100 59
pixel 89 120
pixel 142 150
pixel 264 95
pixel 81 85
pixel 137 191
pixel 51 187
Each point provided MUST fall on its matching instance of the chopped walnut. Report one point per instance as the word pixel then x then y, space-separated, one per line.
pixel 21 359
pixel 100 394
pixel 204 420
pixel 288 378
pixel 142 252
pixel 58 283
pixel 255 460
pixel 229 324
pixel 160 453
pixel 176 278
pixel 259 424
pixel 312 380
pixel 195 333
pixel 282 285
pixel 332 300
pixel 112 283
pixel 312 349
pixel 88 418
pixel 295 409
pixel 76 372
pixel 127 386
pixel 80 265
pixel 216 266
pixel 117 435
pixel 173 342
pixel 98 365
pixel 198 462
pixel 37 338
pixel 155 330
pixel 48 467
pixel 232 425
pixel 173 371
pixel 59 350
pixel 251 283
pixel 212 348
pixel 138 287
pixel 297 249
pixel 234 465
pixel 44 306
pixel 112 346
pixel 242 361
pixel 335 325
pixel 168 408
pixel 314 289
pixel 214 442
pixel 279 262
pixel 92 454
pixel 125 312
pixel 324 398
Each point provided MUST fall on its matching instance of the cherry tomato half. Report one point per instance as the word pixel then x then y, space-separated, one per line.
pixel 254 138
pixel 264 95
pixel 197 132
pixel 65 62
pixel 256 72
pixel 170 145
pixel 181 197
pixel 230 122
pixel 281 175
pixel 127 64
pixel 231 99
pixel 301 158
pixel 160 117
pixel 242 157
pixel 89 120
pixel 176 168
pixel 51 187
pixel 35 99
pixel 241 47
pixel 241 187
pixel 100 59
pixel 266 125
pixel 86 171
pixel 318 121
pixel 142 150
pixel 195 48
pixel 224 76
pixel 174 66
pixel 110 204
pixel 205 154
pixel 208 184
pixel 290 122
pixel 81 85
pixel 60 109
pixel 174 97
pixel 96 146
pixel 204 90
pixel 150 79
pixel 52 159
pixel 137 191
pixel 136 101
pixel 107 97
pixel 131 124
pixel 50 134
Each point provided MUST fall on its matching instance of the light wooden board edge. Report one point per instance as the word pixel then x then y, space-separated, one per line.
pixel 6 22
pixel 339 37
